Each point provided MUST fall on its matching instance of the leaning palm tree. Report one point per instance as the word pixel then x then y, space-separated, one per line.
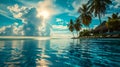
pixel 86 15
pixel 77 26
pixel 98 7
pixel 71 26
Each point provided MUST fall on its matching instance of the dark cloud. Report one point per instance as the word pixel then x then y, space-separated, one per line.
pixel 31 27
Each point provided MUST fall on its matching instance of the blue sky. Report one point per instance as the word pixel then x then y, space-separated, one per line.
pixel 43 17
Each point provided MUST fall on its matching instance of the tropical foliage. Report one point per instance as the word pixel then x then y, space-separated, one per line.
pixel 85 33
pixel 98 7
pixel 74 26
pixel 77 26
pixel 113 22
pixel 71 26
pixel 85 15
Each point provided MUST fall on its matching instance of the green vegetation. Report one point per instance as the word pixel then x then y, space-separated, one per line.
pixel 75 26
pixel 113 23
pixel 85 33
pixel 95 8
pixel 98 7
pixel 71 26
pixel 85 15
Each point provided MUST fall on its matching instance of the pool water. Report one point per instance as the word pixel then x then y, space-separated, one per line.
pixel 86 52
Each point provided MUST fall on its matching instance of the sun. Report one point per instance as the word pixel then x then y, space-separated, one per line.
pixel 44 14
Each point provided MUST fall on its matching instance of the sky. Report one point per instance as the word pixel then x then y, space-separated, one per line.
pixel 43 17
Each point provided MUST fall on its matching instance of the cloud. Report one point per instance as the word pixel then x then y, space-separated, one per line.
pixel 32 25
pixel 64 34
pixel 60 31
pixel 59 27
pixel 118 1
pixel 75 4
pixel 11 30
pixel 2 29
pixel 58 20
pixel 16 8
pixel 17 11
pixel 114 7
pixel 105 17
pixel 117 4
pixel 50 6
pixel 28 17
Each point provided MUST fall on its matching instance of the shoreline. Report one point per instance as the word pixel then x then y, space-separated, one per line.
pixel 92 37
pixel 45 38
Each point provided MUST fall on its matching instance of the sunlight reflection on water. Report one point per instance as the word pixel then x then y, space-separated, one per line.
pixel 57 52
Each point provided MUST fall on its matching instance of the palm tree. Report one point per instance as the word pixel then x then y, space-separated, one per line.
pixel 113 22
pixel 77 26
pixel 71 26
pixel 98 7
pixel 115 16
pixel 85 15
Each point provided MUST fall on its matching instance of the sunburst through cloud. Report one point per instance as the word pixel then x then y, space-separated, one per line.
pixel 59 33
pixel 38 18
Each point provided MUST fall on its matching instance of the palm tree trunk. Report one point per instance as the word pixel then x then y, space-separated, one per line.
pixel 99 18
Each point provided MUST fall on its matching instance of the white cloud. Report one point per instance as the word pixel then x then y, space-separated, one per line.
pixel 37 24
pixel 16 24
pixel 49 6
pixel 2 29
pixel 59 20
pixel 9 30
pixel 118 1
pixel 76 4
pixel 14 8
pixel 115 6
pixel 18 15
pixel 59 27
pixel 17 11
pixel 61 35
pixel 31 23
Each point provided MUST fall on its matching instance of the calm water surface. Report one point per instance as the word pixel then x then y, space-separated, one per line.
pixel 60 53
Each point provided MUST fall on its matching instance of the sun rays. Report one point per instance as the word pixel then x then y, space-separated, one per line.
pixel 44 14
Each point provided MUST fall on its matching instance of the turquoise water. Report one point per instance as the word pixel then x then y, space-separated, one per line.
pixel 60 53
